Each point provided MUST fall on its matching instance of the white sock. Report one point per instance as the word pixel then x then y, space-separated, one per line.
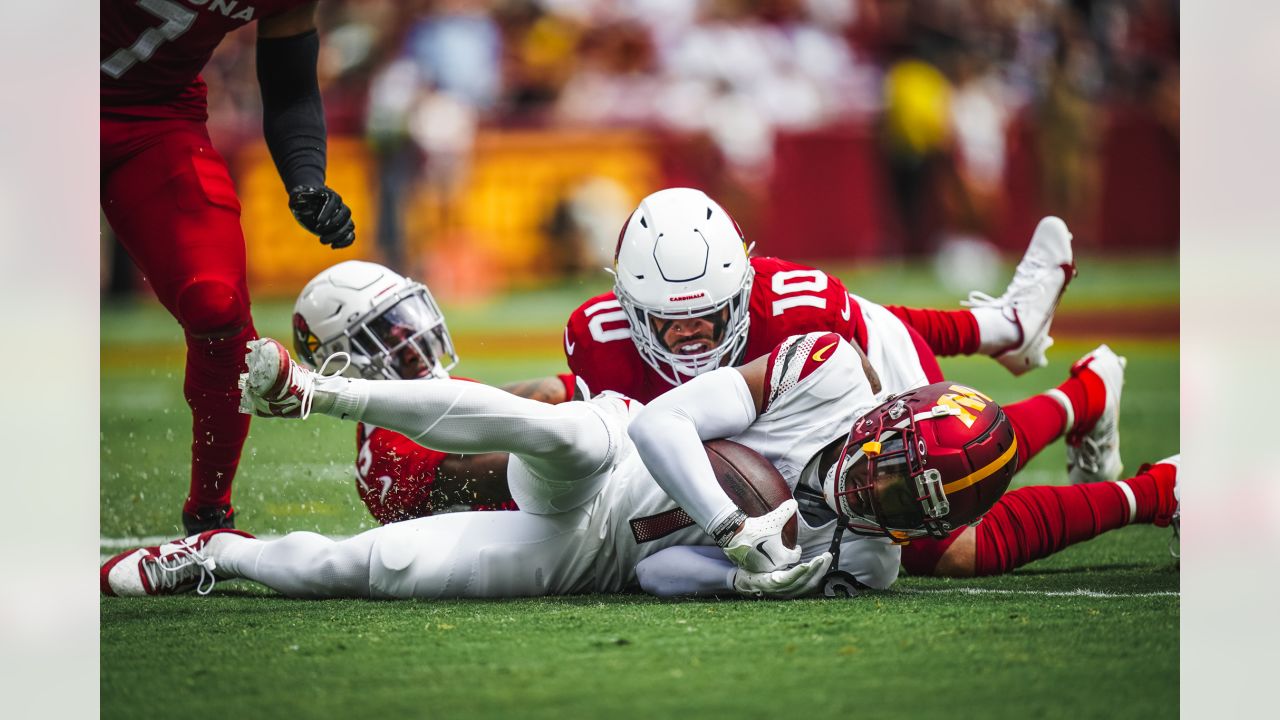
pixel 1133 501
pixel 997 332
pixel 1065 402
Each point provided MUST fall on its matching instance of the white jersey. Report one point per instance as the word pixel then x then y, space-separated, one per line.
pixel 815 390
pixel 890 350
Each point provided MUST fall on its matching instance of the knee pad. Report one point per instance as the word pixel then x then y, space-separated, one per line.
pixel 212 308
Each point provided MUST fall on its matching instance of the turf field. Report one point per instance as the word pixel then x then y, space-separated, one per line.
pixel 1091 632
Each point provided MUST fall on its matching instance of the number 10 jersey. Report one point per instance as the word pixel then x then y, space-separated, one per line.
pixel 786 299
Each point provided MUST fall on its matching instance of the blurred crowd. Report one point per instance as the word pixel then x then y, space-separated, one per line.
pixel 939 83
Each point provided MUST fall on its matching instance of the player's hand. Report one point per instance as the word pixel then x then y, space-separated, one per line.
pixel 798 581
pixel 757 546
pixel 321 211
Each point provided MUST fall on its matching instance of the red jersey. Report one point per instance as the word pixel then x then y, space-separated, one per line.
pixel 395 476
pixel 786 299
pixel 153 50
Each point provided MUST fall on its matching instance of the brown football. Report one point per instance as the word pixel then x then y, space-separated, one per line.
pixel 750 481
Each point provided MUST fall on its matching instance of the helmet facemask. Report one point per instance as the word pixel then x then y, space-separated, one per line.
pixel 730 318
pixel 882 485
pixel 403 337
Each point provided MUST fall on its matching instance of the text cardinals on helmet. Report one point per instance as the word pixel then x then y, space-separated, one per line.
pixel 680 256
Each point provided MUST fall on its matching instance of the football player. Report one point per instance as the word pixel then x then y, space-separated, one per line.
pixel 593 518
pixel 688 299
pixel 392 329
pixel 170 200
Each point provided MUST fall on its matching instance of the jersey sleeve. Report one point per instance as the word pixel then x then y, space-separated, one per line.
pixel 820 365
pixel 598 347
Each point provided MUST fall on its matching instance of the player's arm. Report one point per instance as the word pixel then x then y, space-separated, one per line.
pixel 293 122
pixel 552 390
pixel 669 432
pixel 479 479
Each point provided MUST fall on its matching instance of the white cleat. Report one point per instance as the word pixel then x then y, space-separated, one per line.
pixel 1032 296
pixel 169 569
pixel 275 385
pixel 1093 454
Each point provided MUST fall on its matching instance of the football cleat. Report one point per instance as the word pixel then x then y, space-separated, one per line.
pixel 1032 296
pixel 169 569
pixel 758 547
pixel 208 518
pixel 1093 453
pixel 275 385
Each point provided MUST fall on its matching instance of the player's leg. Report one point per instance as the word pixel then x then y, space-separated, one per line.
pixel 1085 408
pixel 1013 328
pixel 173 207
pixel 567 448
pixel 1034 522
pixel 454 555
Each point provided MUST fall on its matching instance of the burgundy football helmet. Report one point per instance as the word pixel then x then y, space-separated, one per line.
pixel 926 461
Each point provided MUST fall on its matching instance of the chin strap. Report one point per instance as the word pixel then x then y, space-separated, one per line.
pixel 838 583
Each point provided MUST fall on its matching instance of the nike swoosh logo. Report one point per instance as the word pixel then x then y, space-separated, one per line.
pixel 568 346
pixel 760 549
pixel 819 357
pixel 844 314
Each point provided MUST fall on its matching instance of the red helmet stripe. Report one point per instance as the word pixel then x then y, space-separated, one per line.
pixel 621 234
pixel 983 473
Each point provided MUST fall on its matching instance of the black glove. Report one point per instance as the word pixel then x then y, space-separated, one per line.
pixel 321 211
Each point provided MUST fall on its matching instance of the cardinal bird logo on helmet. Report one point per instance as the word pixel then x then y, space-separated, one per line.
pixel 305 342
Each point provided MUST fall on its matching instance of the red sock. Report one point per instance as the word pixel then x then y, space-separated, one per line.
pixel 218 427
pixel 948 332
pixel 1034 522
pixel 1037 421
pixel 1088 396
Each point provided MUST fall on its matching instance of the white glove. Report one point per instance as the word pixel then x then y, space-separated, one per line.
pixel 794 582
pixel 758 547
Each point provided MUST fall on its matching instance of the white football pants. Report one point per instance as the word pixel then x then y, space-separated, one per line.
pixel 561 455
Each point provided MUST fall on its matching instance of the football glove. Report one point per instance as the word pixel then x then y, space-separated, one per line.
pixel 798 581
pixel 322 212
pixel 758 546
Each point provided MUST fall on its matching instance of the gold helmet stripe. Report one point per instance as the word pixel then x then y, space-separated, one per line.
pixel 983 473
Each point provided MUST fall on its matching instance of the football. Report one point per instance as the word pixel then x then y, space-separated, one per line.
pixel 751 481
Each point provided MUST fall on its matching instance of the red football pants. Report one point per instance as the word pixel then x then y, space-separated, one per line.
pixel 1037 421
pixel 169 198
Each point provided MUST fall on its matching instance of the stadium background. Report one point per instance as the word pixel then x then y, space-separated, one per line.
pixel 489 143
pixel 493 149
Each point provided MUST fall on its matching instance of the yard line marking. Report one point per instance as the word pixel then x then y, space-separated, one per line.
pixel 1078 592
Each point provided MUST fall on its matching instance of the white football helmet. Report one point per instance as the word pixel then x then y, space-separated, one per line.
pixel 681 256
pixel 390 325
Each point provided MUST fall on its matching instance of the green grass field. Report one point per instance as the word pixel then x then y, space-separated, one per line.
pixel 1091 632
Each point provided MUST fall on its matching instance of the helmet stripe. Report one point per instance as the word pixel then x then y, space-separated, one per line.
pixel 983 473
